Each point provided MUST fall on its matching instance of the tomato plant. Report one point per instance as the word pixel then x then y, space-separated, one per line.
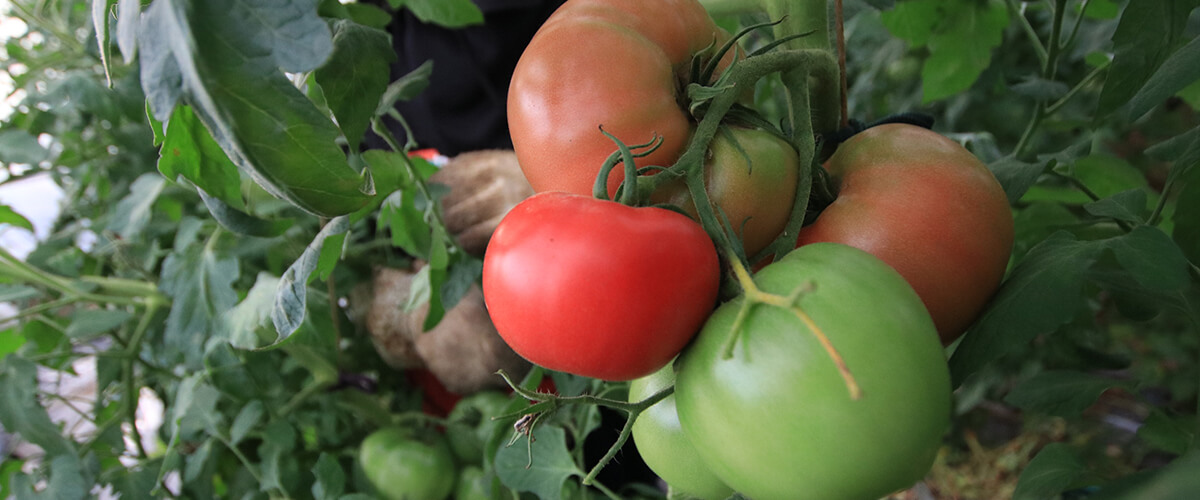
pixel 583 286
pixel 772 413
pixel 405 464
pixel 927 207
pixel 471 424
pixel 662 444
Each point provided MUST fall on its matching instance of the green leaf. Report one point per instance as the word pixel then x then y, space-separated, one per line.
pixel 1016 177
pixel 1060 393
pixel 447 13
pixel 1145 37
pixel 10 340
pixel 279 465
pixel 1179 71
pixel 291 295
pixel 331 252
pixel 1055 469
pixel 1172 435
pixel 242 324
pixel 189 151
pixel 10 216
pixel 200 282
pixel 241 222
pixel 331 479
pixel 88 323
pixel 225 57
pixel 134 211
pixel 544 473
pixel 356 76
pixel 1186 232
pixel 1153 259
pixel 19 146
pixel 1041 89
pixel 68 481
pixel 128 13
pixel 100 16
pixel 20 411
pixel 1127 206
pixel 12 293
pixel 405 87
pixel 960 37
pixel 1175 481
pixel 247 418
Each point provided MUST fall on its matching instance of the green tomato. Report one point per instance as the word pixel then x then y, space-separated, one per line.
pixel 473 484
pixel 405 464
pixel 777 420
pixel 471 425
pixel 663 446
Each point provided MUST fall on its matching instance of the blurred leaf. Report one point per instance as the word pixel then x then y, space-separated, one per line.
pixel 356 76
pixel 1016 177
pixel 10 216
pixel 68 481
pixel 279 465
pixel 331 479
pixel 1040 89
pixel 247 418
pixel 1172 435
pixel 19 146
pixel 550 467
pixel 368 15
pixel 960 37
pixel 100 9
pixel 12 293
pixel 1175 481
pixel 10 340
pixel 200 282
pixel 20 411
pixel 447 13
pixel 242 323
pixel 135 209
pixel 292 293
pixel 226 57
pixel 1054 470
pixel 241 222
pixel 189 151
pixel 1179 71
pixel 1186 232
pixel 88 323
pixel 1060 393
pixel 128 13
pixel 1145 36
pixel 1128 206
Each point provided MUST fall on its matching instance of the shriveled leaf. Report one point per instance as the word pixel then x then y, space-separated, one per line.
pixel 1145 37
pixel 1060 393
pixel 292 292
pixel 550 467
pixel 1055 469
pixel 356 76
pixel 134 211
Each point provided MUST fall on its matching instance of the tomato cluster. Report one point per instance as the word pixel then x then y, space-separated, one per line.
pixel 835 349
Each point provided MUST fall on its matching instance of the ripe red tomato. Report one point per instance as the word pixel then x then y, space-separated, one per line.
pixel 596 288
pixel 664 447
pixel 776 420
pixel 616 63
pixel 751 176
pixel 927 207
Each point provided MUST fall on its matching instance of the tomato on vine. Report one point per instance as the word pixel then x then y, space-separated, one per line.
pixel 597 288
pixel 927 207
pixel 408 464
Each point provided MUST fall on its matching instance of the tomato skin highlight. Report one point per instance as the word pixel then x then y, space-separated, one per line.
pixel 776 420
pixel 663 446
pixel 596 288
pixel 610 63
pixel 927 207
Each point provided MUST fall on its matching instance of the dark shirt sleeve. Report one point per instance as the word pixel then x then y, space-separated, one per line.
pixel 463 109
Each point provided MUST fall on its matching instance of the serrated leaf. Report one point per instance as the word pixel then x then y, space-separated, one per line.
pixel 331 479
pixel 225 56
pixel 189 151
pixel 356 76
pixel 1127 206
pixel 19 146
pixel 1144 38
pixel 1016 177
pixel 241 222
pixel 1055 469
pixel 88 323
pixel 20 412
pixel 134 211
pixel 550 467
pixel 292 292
pixel 1060 393
pixel 1179 71
pixel 11 217
pixel 446 13
pixel 199 280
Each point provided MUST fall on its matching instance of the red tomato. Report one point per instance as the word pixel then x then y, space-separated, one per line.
pixel 927 207
pixel 596 288
pixel 616 63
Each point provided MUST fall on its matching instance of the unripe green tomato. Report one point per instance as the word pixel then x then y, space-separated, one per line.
pixel 471 424
pixel 663 446
pixel 776 419
pixel 473 484
pixel 407 464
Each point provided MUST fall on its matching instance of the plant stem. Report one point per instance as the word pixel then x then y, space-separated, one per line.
pixel 801 16
pixel 1049 72
pixel 1018 11
pixel 719 8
